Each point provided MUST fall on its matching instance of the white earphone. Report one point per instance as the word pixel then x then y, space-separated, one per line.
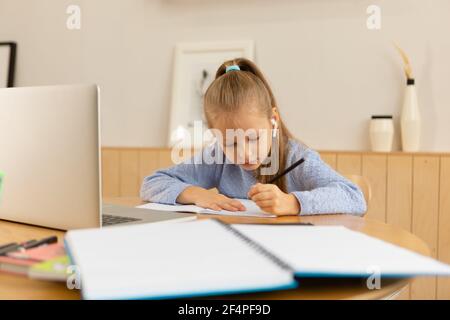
pixel 275 127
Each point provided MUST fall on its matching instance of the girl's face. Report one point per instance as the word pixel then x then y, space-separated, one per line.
pixel 245 138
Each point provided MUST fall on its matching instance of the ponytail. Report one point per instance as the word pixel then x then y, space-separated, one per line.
pixel 229 91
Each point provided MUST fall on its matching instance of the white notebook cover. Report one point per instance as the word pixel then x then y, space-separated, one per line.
pixel 170 261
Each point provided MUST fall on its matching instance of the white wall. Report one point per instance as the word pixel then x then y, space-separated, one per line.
pixel 329 72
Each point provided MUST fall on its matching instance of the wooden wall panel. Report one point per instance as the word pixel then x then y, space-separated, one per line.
pixel 148 163
pixel 399 191
pixel 348 163
pixel 154 159
pixel 164 158
pixel 425 216
pixel 399 197
pixel 443 285
pixel 374 170
pixel 329 158
pixel 129 173
pixel 110 173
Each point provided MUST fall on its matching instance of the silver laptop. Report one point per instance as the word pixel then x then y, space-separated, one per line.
pixel 50 159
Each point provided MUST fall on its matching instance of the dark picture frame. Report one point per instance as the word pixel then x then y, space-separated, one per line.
pixel 11 64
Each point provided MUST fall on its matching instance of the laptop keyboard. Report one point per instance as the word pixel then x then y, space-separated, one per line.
pixel 109 220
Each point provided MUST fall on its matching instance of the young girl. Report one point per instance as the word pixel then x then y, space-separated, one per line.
pixel 240 98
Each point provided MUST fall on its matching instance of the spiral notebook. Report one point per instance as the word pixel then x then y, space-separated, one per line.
pixel 147 261
pixel 208 257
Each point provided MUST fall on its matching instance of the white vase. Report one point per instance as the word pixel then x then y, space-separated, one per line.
pixel 410 120
pixel 381 133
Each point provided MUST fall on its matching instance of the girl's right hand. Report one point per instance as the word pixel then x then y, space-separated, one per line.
pixel 209 199
pixel 217 201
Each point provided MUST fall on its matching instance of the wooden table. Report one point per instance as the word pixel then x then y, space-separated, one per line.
pixel 16 287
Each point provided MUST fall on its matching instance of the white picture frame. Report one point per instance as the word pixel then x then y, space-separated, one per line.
pixel 7 63
pixel 195 66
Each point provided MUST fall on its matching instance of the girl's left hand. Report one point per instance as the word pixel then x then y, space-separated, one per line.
pixel 272 200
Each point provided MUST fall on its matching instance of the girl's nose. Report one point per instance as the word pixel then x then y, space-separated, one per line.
pixel 250 155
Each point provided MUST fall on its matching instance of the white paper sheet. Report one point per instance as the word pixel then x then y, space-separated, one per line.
pixel 338 251
pixel 252 210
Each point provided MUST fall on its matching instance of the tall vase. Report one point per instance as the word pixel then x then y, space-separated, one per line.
pixel 410 119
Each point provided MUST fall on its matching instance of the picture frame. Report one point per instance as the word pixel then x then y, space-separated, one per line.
pixel 195 66
pixel 7 64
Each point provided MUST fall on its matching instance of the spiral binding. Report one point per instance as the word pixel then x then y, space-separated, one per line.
pixel 256 246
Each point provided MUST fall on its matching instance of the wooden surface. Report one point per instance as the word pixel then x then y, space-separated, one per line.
pixel 409 190
pixel 443 284
pixel 16 287
pixel 20 287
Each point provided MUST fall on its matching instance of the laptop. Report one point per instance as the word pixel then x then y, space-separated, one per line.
pixel 50 161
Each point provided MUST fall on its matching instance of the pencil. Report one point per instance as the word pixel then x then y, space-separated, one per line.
pixel 292 166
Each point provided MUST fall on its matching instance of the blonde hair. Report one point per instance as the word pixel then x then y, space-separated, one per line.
pixel 233 90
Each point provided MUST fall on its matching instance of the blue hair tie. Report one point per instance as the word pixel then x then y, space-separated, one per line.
pixel 231 68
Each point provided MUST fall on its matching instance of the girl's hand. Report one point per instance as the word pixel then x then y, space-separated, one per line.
pixel 217 201
pixel 209 199
pixel 272 200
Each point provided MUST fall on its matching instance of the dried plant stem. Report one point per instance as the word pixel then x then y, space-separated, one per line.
pixel 406 62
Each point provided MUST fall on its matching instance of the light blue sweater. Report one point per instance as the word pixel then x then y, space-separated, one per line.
pixel 318 187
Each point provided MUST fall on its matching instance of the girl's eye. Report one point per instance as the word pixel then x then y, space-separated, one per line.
pixel 231 145
pixel 254 139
